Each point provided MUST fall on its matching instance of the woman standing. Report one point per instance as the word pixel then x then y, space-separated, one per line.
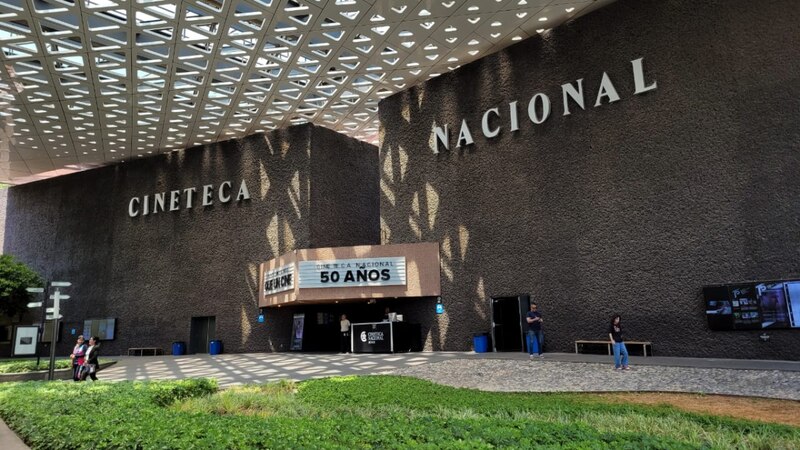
pixel 615 334
pixel 91 364
pixel 77 358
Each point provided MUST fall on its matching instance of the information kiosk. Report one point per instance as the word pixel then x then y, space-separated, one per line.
pixel 384 337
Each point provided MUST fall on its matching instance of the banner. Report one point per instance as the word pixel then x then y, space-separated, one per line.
pixel 298 323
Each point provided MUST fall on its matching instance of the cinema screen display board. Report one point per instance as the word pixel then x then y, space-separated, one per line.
pixel 753 306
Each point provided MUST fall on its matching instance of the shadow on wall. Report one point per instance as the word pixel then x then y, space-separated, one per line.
pixel 405 189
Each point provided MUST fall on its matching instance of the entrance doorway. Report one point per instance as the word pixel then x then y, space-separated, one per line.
pixel 508 314
pixel 203 329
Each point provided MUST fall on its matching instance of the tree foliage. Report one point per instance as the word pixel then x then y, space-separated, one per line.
pixel 14 278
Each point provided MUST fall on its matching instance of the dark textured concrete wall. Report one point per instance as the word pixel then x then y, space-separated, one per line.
pixel 629 207
pixel 345 185
pixel 153 273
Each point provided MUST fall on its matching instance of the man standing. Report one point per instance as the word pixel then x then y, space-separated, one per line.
pixel 534 319
pixel 344 329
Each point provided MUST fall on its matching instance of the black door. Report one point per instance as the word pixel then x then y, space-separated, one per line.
pixel 508 313
pixel 204 329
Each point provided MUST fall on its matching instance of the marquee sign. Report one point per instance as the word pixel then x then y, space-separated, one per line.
pixel 279 280
pixel 386 271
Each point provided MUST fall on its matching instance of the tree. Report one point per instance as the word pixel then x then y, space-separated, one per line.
pixel 14 278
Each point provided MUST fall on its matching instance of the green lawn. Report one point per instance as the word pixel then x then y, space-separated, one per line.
pixel 355 412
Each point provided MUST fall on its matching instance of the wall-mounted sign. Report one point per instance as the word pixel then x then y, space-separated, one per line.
pixel 186 198
pixel 25 341
pixel 279 280
pixel 387 271
pixel 539 108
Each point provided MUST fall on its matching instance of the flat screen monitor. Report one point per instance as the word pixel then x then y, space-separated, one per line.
pixel 102 328
pixel 753 306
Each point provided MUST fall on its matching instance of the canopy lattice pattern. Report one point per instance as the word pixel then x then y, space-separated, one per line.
pixel 91 82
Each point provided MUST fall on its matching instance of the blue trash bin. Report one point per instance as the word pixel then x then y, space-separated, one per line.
pixel 178 348
pixel 215 347
pixel 481 343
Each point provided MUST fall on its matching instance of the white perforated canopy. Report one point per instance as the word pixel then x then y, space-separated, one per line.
pixel 93 82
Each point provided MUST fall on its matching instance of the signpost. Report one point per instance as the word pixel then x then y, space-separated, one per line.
pixel 53 314
pixel 40 334
pixel 50 314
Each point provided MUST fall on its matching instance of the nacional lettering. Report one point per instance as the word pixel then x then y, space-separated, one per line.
pixel 371 337
pixel 539 108
pixel 172 200
pixel 375 336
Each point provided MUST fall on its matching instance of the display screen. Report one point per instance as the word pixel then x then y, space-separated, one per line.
pixel 753 306
pixel 102 328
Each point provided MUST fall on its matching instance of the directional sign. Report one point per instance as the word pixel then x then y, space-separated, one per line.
pixel 35 290
pixel 60 284
pixel 49 310
pixel 34 304
pixel 49 317
pixel 60 296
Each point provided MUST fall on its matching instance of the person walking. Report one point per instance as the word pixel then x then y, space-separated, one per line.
pixel 91 365
pixel 535 334
pixel 344 328
pixel 618 342
pixel 77 358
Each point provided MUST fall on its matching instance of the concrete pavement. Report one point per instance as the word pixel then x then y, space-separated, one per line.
pixel 231 369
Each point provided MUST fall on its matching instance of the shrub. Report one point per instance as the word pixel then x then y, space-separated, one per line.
pixel 164 394
pixel 29 365
pixel 14 278
pixel 353 413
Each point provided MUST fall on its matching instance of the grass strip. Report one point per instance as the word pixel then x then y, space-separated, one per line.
pixel 354 412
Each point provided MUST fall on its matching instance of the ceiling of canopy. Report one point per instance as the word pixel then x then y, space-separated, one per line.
pixel 86 83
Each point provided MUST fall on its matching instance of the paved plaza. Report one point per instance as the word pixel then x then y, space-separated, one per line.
pixel 490 371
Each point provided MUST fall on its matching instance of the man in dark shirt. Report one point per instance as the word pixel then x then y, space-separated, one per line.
pixel 534 319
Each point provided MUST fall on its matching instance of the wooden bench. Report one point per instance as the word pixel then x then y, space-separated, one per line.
pixel 644 345
pixel 141 351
